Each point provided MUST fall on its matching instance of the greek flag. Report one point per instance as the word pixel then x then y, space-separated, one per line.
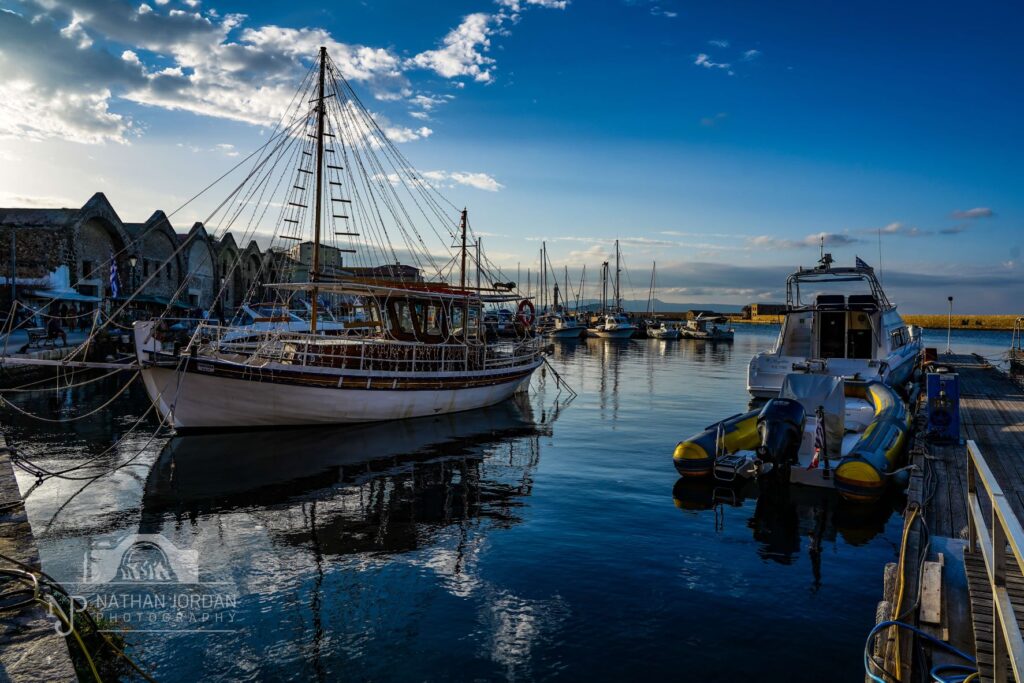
pixel 820 445
pixel 861 263
pixel 115 288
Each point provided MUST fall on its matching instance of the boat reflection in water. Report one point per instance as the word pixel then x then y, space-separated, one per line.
pixel 340 512
pixel 783 515
pixel 432 466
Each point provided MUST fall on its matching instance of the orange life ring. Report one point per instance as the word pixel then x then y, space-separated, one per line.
pixel 526 305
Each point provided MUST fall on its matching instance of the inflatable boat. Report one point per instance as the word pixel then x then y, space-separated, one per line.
pixel 821 431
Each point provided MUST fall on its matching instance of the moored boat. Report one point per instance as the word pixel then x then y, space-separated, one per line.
pixel 665 331
pixel 616 326
pixel 856 335
pixel 706 328
pixel 821 431
pixel 423 347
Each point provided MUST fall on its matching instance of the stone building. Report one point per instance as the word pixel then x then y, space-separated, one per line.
pixel 65 254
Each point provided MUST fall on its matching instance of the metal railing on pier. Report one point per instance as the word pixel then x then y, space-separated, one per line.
pixel 1005 530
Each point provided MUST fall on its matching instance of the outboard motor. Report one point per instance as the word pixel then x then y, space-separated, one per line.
pixel 781 427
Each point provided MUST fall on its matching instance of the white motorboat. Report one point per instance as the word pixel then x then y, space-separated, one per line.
pixel 559 326
pixel 707 329
pixel 665 331
pixel 616 327
pixel 859 335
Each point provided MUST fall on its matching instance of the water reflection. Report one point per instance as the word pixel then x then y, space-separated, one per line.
pixel 783 516
pixel 424 494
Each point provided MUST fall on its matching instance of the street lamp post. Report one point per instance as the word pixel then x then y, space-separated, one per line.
pixel 132 261
pixel 220 298
pixel 949 326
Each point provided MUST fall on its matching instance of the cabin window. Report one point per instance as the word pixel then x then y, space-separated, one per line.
pixel 430 318
pixel 404 317
pixel 87 270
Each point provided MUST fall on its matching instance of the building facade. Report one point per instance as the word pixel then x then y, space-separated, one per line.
pixel 90 255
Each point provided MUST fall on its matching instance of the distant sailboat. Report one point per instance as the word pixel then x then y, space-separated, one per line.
pixel 616 325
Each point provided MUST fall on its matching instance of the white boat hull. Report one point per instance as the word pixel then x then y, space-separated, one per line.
pixel 565 333
pixel 191 400
pixel 621 333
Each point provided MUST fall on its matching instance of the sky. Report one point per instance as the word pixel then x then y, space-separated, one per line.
pixel 721 140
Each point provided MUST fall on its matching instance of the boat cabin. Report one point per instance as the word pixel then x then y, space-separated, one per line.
pixel 838 326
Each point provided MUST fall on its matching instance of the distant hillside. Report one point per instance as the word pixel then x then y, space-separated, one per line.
pixel 637 306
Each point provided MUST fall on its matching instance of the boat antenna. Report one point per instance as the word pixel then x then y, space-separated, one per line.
pixel 879 256
pixel 315 274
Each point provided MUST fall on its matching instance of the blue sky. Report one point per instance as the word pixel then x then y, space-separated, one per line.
pixel 717 138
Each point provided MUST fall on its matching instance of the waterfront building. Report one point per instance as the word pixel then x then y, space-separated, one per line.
pixel 63 255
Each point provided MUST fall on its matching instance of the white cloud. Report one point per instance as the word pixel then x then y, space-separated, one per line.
pixel 662 12
pixel 719 43
pixel 831 239
pixel 75 32
pixel 706 62
pixel 463 51
pixel 970 214
pixel 517 5
pixel 63 69
pixel 404 134
pixel 751 54
pixel 480 181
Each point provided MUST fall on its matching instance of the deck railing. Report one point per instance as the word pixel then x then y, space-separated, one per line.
pixel 1005 531
pixel 369 354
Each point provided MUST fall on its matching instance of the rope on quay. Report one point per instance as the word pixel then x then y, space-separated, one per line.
pixel 34 586
pixel 963 673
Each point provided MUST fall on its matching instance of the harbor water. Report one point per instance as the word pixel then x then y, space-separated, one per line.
pixel 545 538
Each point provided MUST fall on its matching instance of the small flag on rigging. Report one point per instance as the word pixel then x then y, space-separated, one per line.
pixel 115 287
pixel 861 263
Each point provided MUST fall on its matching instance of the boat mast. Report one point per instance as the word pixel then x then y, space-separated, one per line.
pixel 462 270
pixel 315 275
pixel 462 282
pixel 604 288
pixel 618 298
pixel 650 294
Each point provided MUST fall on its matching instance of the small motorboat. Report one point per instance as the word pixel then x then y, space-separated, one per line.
pixel 820 431
pixel 616 327
pixel 707 328
pixel 664 331
pixel 558 326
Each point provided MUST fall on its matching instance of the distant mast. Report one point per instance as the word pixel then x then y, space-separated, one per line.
pixel 315 275
pixel 618 295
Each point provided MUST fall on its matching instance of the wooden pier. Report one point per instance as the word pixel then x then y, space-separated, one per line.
pixel 970 496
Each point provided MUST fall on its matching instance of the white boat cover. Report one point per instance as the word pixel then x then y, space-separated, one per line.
pixel 827 392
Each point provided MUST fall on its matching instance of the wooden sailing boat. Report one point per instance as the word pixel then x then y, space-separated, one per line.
pixel 426 352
